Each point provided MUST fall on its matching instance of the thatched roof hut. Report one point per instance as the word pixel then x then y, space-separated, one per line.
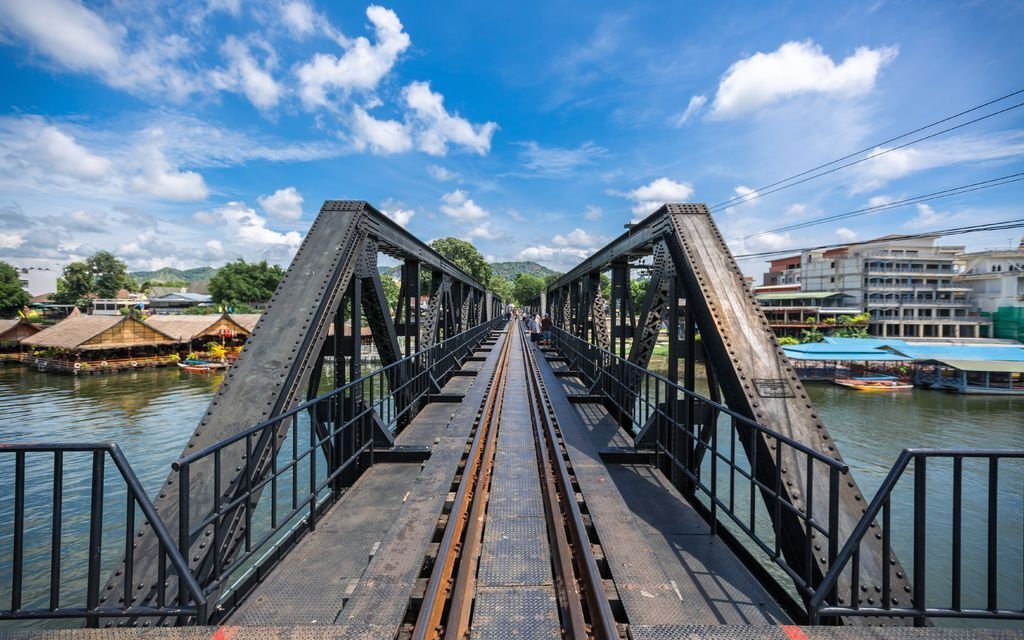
pixel 247 320
pixel 186 328
pixel 16 330
pixel 92 333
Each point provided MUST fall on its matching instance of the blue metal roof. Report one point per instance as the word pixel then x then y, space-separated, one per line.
pixel 850 352
pixel 882 349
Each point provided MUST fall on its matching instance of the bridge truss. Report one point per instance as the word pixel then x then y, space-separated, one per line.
pixel 697 292
pixel 314 318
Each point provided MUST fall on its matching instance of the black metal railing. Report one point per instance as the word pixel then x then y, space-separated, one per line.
pixel 51 484
pixel 935 510
pixel 713 451
pixel 324 444
pixel 703 454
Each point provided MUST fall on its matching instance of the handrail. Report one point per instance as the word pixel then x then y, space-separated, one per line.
pixel 136 495
pixel 880 502
pixel 799 446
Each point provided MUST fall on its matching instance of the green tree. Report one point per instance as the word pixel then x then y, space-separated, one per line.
pixel 391 291
pixel 110 274
pixel 527 288
pixel 637 291
pixel 75 284
pixel 465 256
pixel 787 341
pixel 503 287
pixel 12 296
pixel 241 282
pixel 606 286
pixel 811 335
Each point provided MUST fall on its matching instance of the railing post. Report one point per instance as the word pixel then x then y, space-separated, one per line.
pixel 92 597
pixel 920 558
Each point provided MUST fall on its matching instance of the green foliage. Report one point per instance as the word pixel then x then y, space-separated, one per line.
pixel 240 282
pixel 637 291
pixel 787 341
pixel 391 290
pixel 75 284
pixel 12 296
pixel 509 270
pixel 811 335
pixel 526 288
pixel 172 277
pixel 110 274
pixel 811 320
pixel 465 256
pixel 606 286
pixel 851 332
pixel 200 311
pixel 551 277
pixel 503 287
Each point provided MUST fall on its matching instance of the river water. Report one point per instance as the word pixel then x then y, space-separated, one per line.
pixel 151 413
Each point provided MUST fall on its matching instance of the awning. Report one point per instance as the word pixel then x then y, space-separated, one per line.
pixel 993 366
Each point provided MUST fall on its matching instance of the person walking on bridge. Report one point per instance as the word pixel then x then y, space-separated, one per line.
pixel 534 326
pixel 545 327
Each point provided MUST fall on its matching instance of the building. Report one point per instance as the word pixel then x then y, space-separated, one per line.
pixel 37 280
pixel 177 301
pixel 189 328
pixel 996 279
pixel 790 312
pixel 14 331
pixel 98 342
pixel 907 286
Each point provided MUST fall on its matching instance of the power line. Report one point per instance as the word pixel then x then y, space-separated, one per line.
pixel 1016 223
pixel 782 184
pixel 935 195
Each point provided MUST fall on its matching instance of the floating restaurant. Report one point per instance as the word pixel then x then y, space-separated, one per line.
pixel 978 369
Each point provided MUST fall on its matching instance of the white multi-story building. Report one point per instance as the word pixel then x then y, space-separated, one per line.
pixel 907 286
pixel 996 278
pixel 37 280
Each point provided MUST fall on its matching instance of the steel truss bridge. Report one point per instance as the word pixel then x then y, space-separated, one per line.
pixel 478 485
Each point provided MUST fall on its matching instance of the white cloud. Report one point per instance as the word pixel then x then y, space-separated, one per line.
pixel 898 163
pixel 458 205
pixel 400 216
pixel 160 179
pixel 692 108
pixel 578 238
pixel 78 39
pixel 796 68
pixel 243 224
pixel 63 154
pixel 361 67
pixel 593 213
pixel 245 74
pixel 515 215
pixel 441 174
pixel 11 240
pixel 483 232
pixel 796 210
pixel 381 136
pixel 881 201
pixel 65 31
pixel 648 198
pixel 437 128
pixel 556 161
pixel 927 217
pixel 846 235
pixel 299 18
pixel 284 203
pixel 745 197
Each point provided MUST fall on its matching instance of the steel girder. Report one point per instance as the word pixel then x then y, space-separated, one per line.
pixel 275 372
pixel 746 363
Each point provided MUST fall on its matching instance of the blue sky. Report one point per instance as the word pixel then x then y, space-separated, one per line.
pixel 195 132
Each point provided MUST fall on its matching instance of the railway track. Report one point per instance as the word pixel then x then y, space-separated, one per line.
pixel 447 607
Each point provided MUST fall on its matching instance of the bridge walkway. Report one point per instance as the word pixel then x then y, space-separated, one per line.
pixel 365 566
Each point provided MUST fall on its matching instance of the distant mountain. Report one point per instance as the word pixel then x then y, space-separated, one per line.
pixel 168 274
pixel 511 269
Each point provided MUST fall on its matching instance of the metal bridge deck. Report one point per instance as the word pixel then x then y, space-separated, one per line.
pixel 361 566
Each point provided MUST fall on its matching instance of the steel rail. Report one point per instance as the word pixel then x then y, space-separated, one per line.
pixel 464 588
pixel 440 585
pixel 587 576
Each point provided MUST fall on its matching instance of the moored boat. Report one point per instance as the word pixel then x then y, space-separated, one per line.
pixel 874 383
